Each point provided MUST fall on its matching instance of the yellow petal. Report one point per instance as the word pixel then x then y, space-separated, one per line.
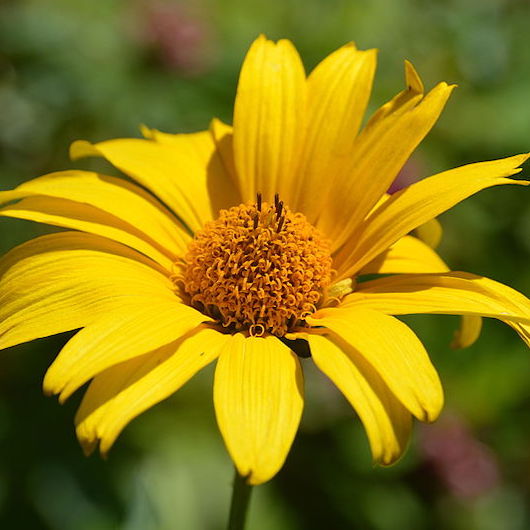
pixel 468 333
pixel 410 255
pixel 258 403
pixel 386 421
pixel 381 150
pixel 116 197
pixel 268 119
pixel 119 394
pixel 78 216
pixel 430 232
pixel 522 329
pixel 338 90
pixel 185 173
pixel 407 255
pixel 394 352
pixel 413 206
pixel 402 102
pixel 454 293
pixel 210 150
pixel 65 281
pixel 117 337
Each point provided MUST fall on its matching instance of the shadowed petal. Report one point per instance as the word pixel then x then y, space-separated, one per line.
pixel 430 232
pixel 211 150
pixel 223 136
pixel 407 255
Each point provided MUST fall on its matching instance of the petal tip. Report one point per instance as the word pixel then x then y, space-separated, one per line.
pixel 82 149
pixel 147 132
pixel 433 410
pixel 219 128
pixel 260 41
pixel 105 444
pixel 413 79
pixel 48 392
pixel 87 446
pixel 63 396
pixel 388 460
pixel 524 157
pixel 443 86
pixel 50 385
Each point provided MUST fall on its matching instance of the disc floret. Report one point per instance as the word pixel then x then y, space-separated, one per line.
pixel 258 267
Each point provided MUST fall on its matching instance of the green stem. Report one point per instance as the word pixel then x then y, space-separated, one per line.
pixel 240 501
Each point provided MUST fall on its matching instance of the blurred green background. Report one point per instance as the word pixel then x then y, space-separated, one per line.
pixel 94 69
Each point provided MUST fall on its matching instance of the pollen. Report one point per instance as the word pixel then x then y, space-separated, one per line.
pixel 259 268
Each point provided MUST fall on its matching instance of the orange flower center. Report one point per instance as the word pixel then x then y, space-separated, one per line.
pixel 258 267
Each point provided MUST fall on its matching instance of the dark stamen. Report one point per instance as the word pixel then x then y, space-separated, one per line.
pixel 276 200
pixel 258 202
pixel 280 224
pixel 256 220
pixel 279 209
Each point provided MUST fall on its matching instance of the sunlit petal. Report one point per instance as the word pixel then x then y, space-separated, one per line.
pixel 117 197
pixel 456 293
pixel 258 402
pixel 120 393
pixel 118 337
pixel 387 422
pixel 79 216
pixel 381 150
pixel 393 350
pixel 409 208
pixel 269 119
pixel 185 172
pixel 62 282
pixel 337 94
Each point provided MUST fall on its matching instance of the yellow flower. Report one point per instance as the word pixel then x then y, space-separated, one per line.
pixel 247 244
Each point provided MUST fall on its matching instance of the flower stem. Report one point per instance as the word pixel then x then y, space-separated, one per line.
pixel 240 501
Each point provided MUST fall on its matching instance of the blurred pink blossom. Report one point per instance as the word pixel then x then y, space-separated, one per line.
pixel 467 467
pixel 180 35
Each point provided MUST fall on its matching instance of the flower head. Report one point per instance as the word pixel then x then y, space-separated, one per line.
pixel 259 268
pixel 236 243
